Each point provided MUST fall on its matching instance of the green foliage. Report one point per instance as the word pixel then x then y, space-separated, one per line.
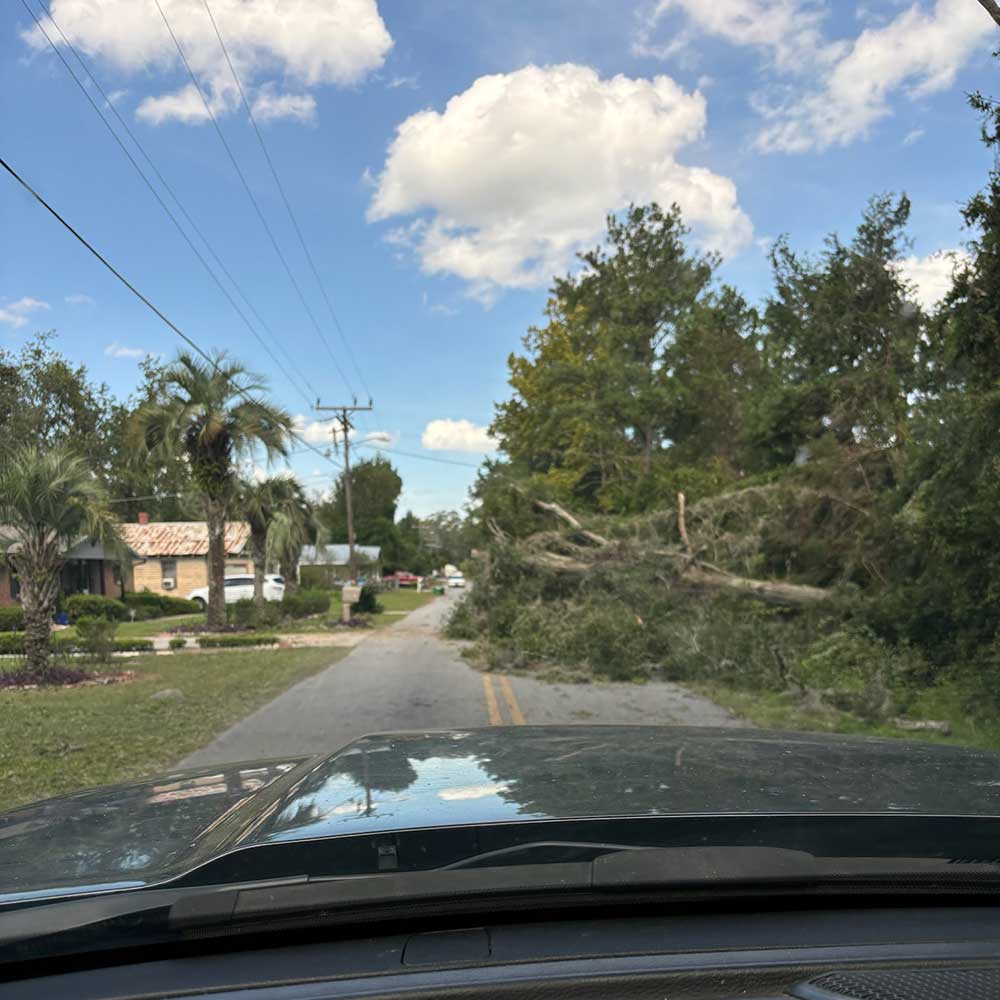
pixel 177 642
pixel 96 636
pixel 11 619
pixel 237 640
pixel 246 614
pixel 375 486
pixel 303 603
pixel 368 602
pixel 94 605
pixel 158 605
pixel 12 643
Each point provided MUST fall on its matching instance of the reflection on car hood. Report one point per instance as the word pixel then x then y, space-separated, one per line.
pixel 138 834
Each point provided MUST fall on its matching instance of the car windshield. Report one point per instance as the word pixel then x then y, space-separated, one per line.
pixel 496 424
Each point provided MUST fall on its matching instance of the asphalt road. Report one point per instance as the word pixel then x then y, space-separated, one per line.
pixel 407 677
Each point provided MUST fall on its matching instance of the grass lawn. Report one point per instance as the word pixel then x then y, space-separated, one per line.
pixel 59 741
pixel 143 630
pixel 398 600
pixel 391 600
pixel 775 710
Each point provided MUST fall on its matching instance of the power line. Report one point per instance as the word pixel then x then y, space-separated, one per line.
pixel 288 206
pixel 249 192
pixel 413 454
pixel 142 298
pixel 156 194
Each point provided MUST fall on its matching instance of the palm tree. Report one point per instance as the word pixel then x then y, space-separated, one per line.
pixel 212 413
pixel 261 503
pixel 294 525
pixel 51 500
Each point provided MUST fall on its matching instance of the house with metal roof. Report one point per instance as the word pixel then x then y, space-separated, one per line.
pixel 324 565
pixel 172 556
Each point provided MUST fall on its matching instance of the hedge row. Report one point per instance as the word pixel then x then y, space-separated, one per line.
pixel 13 643
pixel 230 641
pixel 146 604
pixel 96 606
pixel 11 619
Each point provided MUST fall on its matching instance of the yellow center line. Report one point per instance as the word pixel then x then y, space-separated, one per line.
pixel 508 696
pixel 492 708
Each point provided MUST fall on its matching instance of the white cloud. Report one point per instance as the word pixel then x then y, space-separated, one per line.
pixel 410 82
pixel 917 53
pixel 913 136
pixel 378 439
pixel 788 31
pixel 327 432
pixel 184 105
pixel 821 92
pixel 116 350
pixel 457 435
pixel 270 105
pixel 79 299
pixel 930 276
pixel 520 170
pixel 313 431
pixel 15 314
pixel 308 42
pixel 437 308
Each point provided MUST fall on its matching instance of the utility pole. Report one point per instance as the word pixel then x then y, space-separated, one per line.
pixel 345 428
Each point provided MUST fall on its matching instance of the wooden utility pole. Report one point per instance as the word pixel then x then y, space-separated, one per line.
pixel 345 429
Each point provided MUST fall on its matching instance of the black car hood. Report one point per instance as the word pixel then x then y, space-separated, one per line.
pixel 128 836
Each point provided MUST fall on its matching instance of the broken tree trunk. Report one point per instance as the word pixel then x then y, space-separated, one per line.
pixel 992 8
pixel 565 515
pixel 797 595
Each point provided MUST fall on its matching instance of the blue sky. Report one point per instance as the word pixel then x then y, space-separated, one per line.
pixel 444 158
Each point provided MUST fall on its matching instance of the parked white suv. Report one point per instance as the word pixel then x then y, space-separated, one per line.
pixel 238 587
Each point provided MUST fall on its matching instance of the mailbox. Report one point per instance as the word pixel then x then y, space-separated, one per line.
pixel 351 595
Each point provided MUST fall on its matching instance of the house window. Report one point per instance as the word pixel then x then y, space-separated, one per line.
pixel 235 568
pixel 168 571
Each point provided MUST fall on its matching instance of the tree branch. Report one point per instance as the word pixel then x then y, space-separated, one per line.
pixel 992 8
pixel 565 515
pixel 682 524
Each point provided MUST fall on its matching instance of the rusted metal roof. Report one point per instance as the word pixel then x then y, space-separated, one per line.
pixel 181 538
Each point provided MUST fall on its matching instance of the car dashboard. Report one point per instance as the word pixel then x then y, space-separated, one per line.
pixel 891 953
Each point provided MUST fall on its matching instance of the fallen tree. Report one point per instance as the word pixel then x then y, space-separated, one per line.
pixel 580 551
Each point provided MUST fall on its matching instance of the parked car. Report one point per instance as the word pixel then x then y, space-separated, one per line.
pixel 238 587
pixel 406 579
pixel 456 580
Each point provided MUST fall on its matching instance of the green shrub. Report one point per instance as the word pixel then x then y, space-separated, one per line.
pixel 368 602
pixel 178 605
pixel 94 605
pixel 242 612
pixel 177 642
pixel 303 603
pixel 133 646
pixel 142 599
pixel 148 605
pixel 246 614
pixel 96 636
pixel 11 643
pixel 143 613
pixel 11 619
pixel 230 641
